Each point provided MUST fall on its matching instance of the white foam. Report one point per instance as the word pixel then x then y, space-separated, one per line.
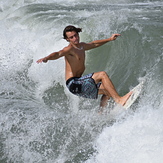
pixel 139 138
pixel 25 123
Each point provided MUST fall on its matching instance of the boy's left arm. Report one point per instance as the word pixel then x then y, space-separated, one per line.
pixel 97 43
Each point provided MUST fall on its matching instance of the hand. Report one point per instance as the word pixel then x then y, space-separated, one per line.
pixel 42 60
pixel 114 36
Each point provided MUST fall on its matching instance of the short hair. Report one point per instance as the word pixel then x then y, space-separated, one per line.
pixel 70 28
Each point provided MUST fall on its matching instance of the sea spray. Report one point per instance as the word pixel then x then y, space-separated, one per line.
pixel 41 121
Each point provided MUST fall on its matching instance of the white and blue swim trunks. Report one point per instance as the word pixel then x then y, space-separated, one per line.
pixel 84 86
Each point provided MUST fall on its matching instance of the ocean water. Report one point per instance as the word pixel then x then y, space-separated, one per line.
pixel 41 122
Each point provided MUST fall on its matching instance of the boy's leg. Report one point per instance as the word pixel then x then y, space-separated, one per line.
pixel 105 97
pixel 109 87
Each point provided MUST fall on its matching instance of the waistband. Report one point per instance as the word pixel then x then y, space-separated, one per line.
pixel 68 81
pixel 83 77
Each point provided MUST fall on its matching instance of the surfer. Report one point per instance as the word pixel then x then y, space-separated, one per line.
pixel 88 86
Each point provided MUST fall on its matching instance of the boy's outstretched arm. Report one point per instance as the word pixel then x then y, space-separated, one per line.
pixel 54 55
pixel 97 43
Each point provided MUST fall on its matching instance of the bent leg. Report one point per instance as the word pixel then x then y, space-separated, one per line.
pixel 105 96
pixel 109 87
pixel 104 100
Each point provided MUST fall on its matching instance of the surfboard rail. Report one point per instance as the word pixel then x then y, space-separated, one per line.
pixel 136 92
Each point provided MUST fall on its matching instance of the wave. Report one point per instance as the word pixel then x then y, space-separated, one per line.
pixel 41 121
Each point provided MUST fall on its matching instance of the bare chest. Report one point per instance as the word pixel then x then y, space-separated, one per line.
pixel 77 55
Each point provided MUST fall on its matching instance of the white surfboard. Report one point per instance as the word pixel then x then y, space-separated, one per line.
pixel 136 92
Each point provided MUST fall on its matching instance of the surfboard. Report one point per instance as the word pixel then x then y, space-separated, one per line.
pixel 136 92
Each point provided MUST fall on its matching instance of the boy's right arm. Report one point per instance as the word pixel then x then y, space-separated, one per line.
pixel 52 56
pixel 55 55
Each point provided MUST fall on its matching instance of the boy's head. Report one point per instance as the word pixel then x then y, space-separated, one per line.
pixel 70 28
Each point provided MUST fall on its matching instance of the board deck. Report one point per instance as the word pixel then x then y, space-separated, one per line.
pixel 136 92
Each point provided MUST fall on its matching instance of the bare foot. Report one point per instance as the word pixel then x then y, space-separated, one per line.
pixel 124 99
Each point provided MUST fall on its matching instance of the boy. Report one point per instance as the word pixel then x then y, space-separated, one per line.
pixel 88 86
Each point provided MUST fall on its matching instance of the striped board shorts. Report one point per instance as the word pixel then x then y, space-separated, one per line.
pixel 84 86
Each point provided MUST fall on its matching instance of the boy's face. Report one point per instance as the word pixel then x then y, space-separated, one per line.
pixel 73 37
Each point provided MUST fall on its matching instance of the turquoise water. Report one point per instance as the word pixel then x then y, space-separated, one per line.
pixel 40 121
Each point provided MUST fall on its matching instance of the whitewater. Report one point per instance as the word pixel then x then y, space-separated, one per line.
pixel 41 121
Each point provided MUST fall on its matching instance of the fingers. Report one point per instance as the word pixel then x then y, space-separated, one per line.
pixel 40 61
pixel 117 34
pixel 114 36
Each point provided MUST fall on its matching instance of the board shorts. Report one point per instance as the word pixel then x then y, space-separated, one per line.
pixel 84 86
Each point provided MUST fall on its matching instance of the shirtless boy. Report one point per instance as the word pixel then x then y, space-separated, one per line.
pixel 88 86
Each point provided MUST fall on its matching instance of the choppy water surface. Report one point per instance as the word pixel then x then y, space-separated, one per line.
pixel 40 121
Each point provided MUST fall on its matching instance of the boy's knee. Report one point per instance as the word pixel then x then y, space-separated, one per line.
pixel 99 76
pixel 103 74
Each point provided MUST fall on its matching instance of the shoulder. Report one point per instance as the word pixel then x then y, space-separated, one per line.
pixel 67 48
pixel 87 46
pixel 65 51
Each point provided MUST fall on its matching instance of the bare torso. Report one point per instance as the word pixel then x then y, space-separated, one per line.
pixel 75 62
